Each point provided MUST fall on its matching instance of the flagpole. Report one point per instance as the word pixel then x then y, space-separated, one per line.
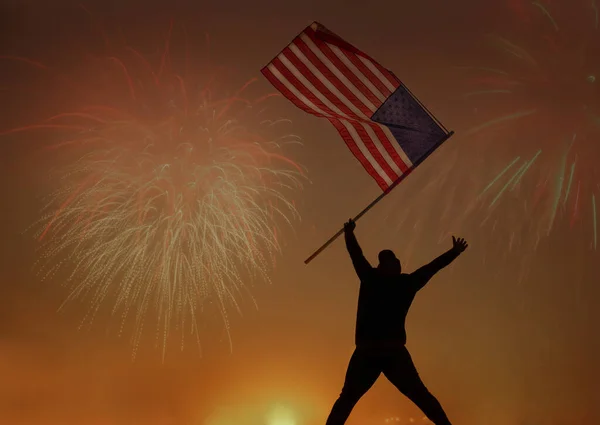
pixel 379 198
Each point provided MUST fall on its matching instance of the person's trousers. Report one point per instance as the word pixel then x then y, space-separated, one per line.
pixel 397 366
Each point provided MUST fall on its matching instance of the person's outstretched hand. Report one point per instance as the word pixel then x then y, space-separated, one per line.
pixel 349 226
pixel 459 245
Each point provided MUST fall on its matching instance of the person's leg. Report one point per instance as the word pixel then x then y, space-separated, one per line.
pixel 363 371
pixel 399 369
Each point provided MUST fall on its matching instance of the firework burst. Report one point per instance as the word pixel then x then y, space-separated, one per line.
pixel 542 103
pixel 526 169
pixel 173 198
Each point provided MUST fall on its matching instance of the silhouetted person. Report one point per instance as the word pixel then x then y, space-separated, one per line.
pixel 384 299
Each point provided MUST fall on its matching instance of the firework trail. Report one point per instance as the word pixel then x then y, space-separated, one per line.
pixel 526 169
pixel 174 197
pixel 549 82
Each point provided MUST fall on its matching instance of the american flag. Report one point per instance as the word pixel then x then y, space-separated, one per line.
pixel 384 125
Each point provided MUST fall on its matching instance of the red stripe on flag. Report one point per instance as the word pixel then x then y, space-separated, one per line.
pixel 327 73
pixel 355 79
pixel 368 74
pixel 302 88
pixel 370 145
pixel 318 84
pixel 345 134
pixel 387 74
pixel 387 143
pixel 288 94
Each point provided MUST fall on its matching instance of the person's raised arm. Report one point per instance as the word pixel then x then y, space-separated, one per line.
pixel 361 264
pixel 422 275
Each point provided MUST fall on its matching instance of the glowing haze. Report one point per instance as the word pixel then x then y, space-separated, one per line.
pixel 497 346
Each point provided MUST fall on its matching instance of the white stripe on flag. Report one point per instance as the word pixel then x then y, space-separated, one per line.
pixel 376 71
pixel 396 145
pixel 294 91
pixel 362 77
pixel 344 80
pixel 367 154
pixel 323 80
pixel 338 74
pixel 310 87
pixel 381 149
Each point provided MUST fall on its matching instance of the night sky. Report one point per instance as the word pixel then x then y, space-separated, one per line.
pixel 505 335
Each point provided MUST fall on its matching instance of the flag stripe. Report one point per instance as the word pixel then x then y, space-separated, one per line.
pixel 290 92
pixel 389 79
pixel 399 157
pixel 334 76
pixel 364 70
pixel 329 62
pixel 352 145
pixel 321 83
pixel 374 146
pixel 328 35
pixel 358 59
pixel 372 93
pixel 382 145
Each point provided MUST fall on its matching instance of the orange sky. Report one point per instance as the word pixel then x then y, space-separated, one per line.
pixel 493 348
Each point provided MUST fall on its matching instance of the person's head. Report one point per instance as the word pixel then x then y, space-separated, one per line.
pixel 388 263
